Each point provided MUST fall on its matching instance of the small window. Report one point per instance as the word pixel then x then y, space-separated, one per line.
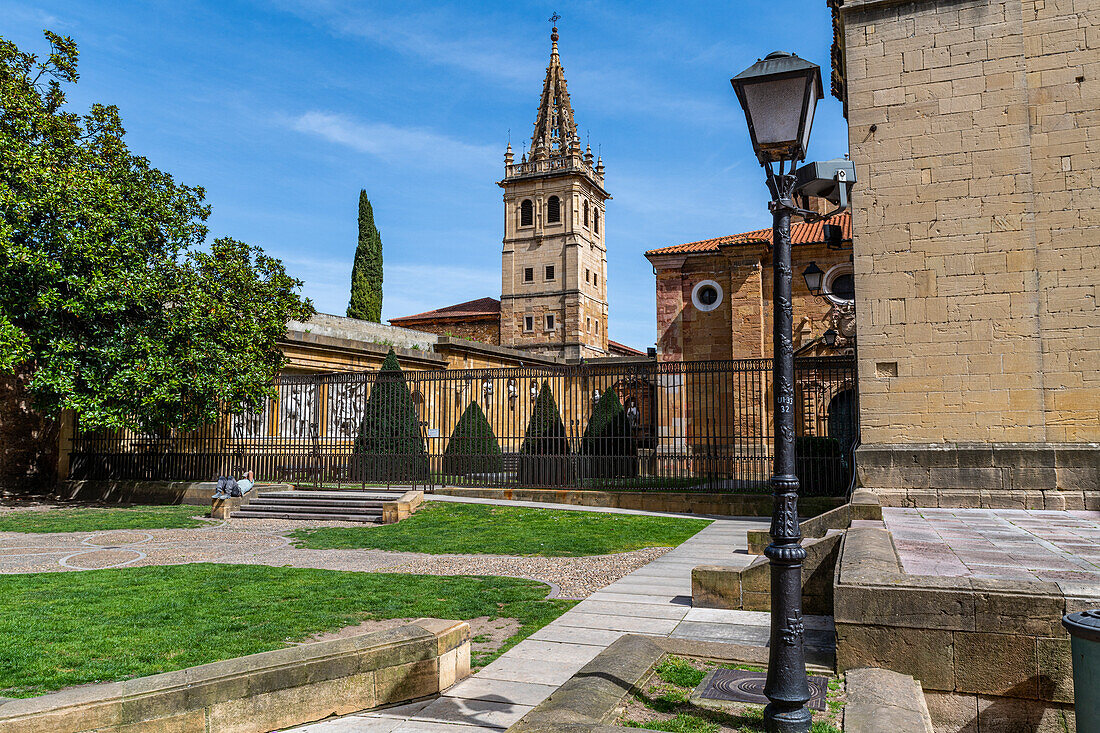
pixel 597 328
pixel 549 321
pixel 528 323
pixel 553 210
pixel 588 324
pixel 549 272
pixel 596 221
pixel 586 213
pixel 838 284
pixel 587 275
pixel 706 295
pixel 526 213
pixel 528 274
pixel 596 280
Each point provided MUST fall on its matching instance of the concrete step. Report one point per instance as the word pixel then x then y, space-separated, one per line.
pixel 298 508
pixel 295 501
pixel 328 517
pixel 333 495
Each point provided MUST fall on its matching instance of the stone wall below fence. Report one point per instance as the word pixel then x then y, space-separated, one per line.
pixel 261 692
pixel 990 653
pixel 679 502
pixel 197 493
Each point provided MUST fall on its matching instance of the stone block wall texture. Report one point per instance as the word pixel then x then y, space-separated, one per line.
pixel 990 653
pixel 741 327
pixel 975 132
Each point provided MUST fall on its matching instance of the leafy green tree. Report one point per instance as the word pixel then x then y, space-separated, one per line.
pixel 608 440
pixel 473 446
pixel 109 306
pixel 390 447
pixel 366 273
pixel 544 456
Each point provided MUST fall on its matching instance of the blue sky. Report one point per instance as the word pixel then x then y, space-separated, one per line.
pixel 283 110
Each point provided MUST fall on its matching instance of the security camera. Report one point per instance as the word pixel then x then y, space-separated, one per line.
pixel 831 180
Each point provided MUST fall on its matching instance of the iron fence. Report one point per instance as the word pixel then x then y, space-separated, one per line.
pixel 689 426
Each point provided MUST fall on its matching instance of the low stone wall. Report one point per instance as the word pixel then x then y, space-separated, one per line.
pixel 403 507
pixel 261 692
pixel 982 475
pixel 197 493
pixel 680 502
pixel 990 653
pixel 864 505
pixel 749 588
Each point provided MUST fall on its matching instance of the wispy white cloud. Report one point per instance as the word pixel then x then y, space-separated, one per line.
pixel 408 145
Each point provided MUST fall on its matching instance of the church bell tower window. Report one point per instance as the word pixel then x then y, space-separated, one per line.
pixel 526 213
pixel 553 210
pixel 586 213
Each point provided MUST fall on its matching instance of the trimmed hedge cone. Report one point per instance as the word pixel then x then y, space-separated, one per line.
pixel 544 457
pixel 609 443
pixel 390 448
pixel 473 446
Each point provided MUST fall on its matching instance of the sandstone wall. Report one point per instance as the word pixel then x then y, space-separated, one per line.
pixel 976 136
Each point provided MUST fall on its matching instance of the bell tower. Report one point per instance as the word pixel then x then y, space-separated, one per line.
pixel 554 261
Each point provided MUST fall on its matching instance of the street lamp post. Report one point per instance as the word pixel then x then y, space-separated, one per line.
pixel 779 94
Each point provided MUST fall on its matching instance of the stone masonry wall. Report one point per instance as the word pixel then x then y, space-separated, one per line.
pixel 976 136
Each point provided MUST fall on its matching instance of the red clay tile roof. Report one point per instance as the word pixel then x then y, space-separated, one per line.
pixel 616 346
pixel 801 233
pixel 480 308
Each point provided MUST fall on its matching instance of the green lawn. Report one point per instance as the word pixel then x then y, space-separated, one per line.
pixel 63 629
pixel 443 527
pixel 95 519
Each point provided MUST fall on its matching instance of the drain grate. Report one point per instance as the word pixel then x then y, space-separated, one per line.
pixel 741 685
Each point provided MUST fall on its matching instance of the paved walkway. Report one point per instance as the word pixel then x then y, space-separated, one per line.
pixel 998 543
pixel 655 599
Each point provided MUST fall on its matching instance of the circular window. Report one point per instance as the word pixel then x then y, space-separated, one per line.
pixel 839 284
pixel 706 295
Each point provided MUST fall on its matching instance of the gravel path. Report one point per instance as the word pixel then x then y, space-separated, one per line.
pixel 267 542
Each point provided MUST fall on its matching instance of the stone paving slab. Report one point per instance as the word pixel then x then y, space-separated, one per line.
pixel 1017 544
pixel 519 693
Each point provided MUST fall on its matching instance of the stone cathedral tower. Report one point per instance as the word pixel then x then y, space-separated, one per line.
pixel 554 263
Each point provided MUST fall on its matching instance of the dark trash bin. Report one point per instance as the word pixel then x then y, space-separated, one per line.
pixel 1084 631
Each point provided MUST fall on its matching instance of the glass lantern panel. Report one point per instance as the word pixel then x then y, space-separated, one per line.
pixel 811 91
pixel 775 107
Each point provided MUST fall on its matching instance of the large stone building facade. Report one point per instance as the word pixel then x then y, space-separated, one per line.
pixel 714 296
pixel 553 298
pixel 973 126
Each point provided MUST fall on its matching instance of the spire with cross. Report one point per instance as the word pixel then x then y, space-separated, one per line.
pixel 555 128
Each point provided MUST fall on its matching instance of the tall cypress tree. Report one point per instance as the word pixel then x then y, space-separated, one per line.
pixel 366 273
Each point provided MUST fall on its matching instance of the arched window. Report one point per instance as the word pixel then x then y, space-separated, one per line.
pixel 526 213
pixel 596 220
pixel 586 213
pixel 553 210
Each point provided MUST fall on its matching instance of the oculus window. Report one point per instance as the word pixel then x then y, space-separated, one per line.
pixel 706 295
pixel 839 285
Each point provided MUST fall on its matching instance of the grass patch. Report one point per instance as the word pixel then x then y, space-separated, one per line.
pixel 443 527
pixel 64 629
pixel 98 519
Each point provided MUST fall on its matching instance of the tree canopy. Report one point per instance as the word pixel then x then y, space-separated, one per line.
pixel 366 272
pixel 112 302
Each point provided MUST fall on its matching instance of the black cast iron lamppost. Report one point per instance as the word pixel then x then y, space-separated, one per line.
pixel 779 94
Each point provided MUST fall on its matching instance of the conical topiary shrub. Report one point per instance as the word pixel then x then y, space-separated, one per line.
pixel 390 447
pixel 608 443
pixel 544 456
pixel 473 446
